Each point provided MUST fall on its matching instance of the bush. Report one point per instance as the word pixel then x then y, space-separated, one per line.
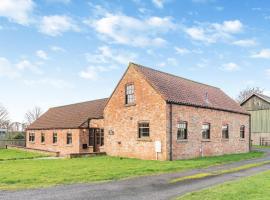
pixel 19 136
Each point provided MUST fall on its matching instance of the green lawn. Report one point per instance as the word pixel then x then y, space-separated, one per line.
pixel 12 154
pixel 251 188
pixel 20 174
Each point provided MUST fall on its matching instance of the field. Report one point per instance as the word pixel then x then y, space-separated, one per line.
pixel 19 174
pixel 250 188
pixel 11 154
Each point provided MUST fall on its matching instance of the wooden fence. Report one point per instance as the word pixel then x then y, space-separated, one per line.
pixel 12 142
pixel 264 141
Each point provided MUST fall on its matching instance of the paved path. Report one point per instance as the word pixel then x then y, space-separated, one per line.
pixel 149 187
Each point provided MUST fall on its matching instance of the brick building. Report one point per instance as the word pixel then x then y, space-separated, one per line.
pixel 69 129
pixel 155 115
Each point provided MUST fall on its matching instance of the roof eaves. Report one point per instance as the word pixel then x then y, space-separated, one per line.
pixel 207 107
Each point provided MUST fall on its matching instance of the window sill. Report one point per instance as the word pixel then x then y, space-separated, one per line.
pixel 55 144
pixel 130 104
pixel 182 141
pixel 206 140
pixel 242 139
pixel 69 145
pixel 32 142
pixel 42 143
pixel 144 139
pixel 225 139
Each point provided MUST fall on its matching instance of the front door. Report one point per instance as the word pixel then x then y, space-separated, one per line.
pixel 96 138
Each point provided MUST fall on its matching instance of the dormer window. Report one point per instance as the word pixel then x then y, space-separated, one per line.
pixel 130 96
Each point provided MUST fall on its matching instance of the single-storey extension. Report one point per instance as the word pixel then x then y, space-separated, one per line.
pixel 150 115
pixel 69 129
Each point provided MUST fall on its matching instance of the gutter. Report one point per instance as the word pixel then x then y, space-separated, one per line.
pixel 207 107
pixel 171 151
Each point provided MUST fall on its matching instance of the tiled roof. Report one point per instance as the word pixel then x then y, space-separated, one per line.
pixel 70 116
pixel 179 90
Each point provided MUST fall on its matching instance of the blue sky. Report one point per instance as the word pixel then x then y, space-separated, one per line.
pixel 55 52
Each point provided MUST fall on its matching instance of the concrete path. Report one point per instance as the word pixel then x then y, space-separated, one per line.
pixel 148 187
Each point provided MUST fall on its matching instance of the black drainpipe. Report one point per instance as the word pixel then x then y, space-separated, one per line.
pixel 171 151
pixel 249 126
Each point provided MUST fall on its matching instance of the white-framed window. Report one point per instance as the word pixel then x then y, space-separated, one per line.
pixel 225 131
pixel 129 94
pixel 143 129
pixel 206 131
pixel 182 133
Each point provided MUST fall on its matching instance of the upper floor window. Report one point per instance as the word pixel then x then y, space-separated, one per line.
pixel 182 130
pixel 242 131
pixel 42 138
pixel 31 137
pixel 130 96
pixel 144 129
pixel 225 131
pixel 69 138
pixel 206 131
pixel 54 138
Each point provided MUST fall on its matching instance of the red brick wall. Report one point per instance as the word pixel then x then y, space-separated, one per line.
pixel 79 137
pixel 61 145
pixel 195 146
pixel 84 135
pixel 123 120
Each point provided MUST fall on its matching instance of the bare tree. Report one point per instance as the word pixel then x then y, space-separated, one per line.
pixel 4 119
pixel 33 115
pixel 244 94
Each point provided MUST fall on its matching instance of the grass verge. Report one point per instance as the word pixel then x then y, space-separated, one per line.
pixel 251 188
pixel 261 147
pixel 14 154
pixel 220 172
pixel 21 174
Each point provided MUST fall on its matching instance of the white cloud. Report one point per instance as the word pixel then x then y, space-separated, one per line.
pixel 27 65
pixel 168 62
pixel 181 51
pixel 158 3
pixel 7 69
pixel 264 53
pixel 104 60
pixel 107 55
pixel 213 32
pixel 230 67
pixel 57 49
pixel 123 29
pixel 42 54
pixel 56 25
pixel 17 11
pixel 90 73
pixel 56 83
pixel 245 43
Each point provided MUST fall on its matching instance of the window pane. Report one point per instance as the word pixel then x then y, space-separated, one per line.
pixel 91 137
pixel 144 130
pixel 206 131
pixel 69 138
pixel 130 98
pixel 182 131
